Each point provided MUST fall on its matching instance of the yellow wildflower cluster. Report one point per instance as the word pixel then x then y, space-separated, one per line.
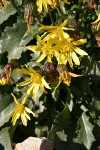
pixel 59 44
pixel 54 43
pixel 36 82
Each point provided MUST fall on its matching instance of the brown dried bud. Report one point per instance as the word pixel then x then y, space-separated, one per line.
pixel 0 5
pixel 61 67
pixel 97 37
pixel 51 74
pixel 28 14
pixel 48 67
pixel 73 24
pixel 91 4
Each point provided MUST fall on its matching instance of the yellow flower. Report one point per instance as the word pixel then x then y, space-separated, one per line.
pixel 20 111
pixel 67 50
pixel 36 81
pixel 45 4
pixel 4 3
pixel 3 80
pixel 66 1
pixel 65 76
pixel 64 49
pixel 45 47
pixel 55 31
pixel 97 21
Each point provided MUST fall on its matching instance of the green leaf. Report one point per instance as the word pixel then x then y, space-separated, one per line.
pixel 62 121
pixel 5 100
pixel 5 13
pixel 19 2
pixel 4 113
pixel 61 124
pixel 85 134
pixel 96 104
pixel 15 38
pixel 5 142
pixel 96 68
pixel 16 75
pixel 60 141
pixel 85 86
pixel 98 122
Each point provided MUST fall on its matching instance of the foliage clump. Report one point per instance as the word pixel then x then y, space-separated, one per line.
pixel 50 72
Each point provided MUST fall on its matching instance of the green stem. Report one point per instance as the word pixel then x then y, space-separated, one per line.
pixel 50 14
pixel 61 13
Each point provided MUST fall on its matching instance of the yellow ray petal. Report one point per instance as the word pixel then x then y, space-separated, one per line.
pixel 23 119
pixel 45 83
pixel 31 70
pixel 24 99
pixel 74 75
pixel 34 48
pixel 98 19
pixel 16 101
pixel 75 58
pixel 29 111
pixel 23 71
pixel 35 90
pixel 42 56
pixel 69 58
pixel 30 88
pixel 79 42
pixel 43 27
pixel 27 116
pixel 80 51
pixel 15 117
pixel 24 82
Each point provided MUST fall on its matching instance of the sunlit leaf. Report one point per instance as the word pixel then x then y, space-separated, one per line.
pixel 5 142
pixel 4 113
pixel 14 39
pixel 85 134
pixel 5 13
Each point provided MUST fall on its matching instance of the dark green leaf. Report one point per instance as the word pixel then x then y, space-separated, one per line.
pixel 62 120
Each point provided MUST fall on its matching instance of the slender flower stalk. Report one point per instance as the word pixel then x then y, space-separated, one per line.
pixel 21 111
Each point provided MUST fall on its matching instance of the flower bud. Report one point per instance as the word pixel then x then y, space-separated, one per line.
pixel 97 37
pixel 28 14
pixel 48 67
